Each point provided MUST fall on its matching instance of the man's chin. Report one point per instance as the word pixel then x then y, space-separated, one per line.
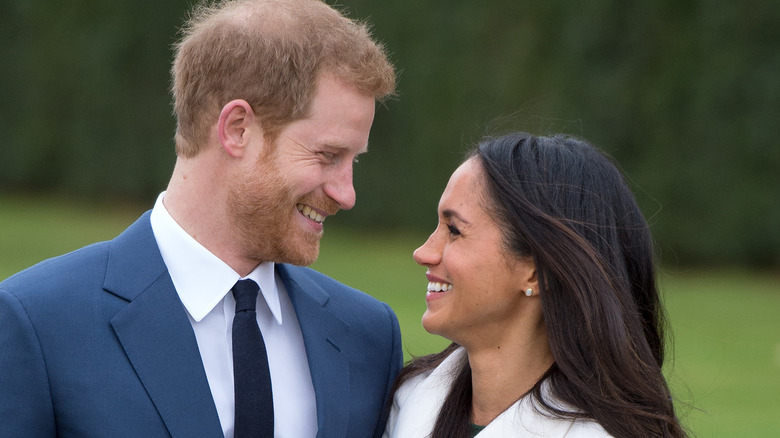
pixel 301 261
pixel 303 257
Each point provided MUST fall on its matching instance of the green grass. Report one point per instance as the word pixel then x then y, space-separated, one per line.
pixel 726 328
pixel 36 228
pixel 725 324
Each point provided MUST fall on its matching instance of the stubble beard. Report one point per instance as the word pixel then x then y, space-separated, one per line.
pixel 262 208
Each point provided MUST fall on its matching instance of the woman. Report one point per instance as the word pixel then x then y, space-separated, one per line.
pixel 541 273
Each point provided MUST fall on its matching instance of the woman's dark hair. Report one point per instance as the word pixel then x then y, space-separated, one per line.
pixel 564 203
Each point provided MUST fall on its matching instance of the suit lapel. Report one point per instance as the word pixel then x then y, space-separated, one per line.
pixel 157 336
pixel 325 339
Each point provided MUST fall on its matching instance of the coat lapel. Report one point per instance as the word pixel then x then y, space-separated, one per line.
pixel 325 339
pixel 157 336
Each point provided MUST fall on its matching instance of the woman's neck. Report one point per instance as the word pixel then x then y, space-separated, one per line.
pixel 501 375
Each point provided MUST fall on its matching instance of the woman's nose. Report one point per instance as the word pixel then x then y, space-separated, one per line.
pixel 428 254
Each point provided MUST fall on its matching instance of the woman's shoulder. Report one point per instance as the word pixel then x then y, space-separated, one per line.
pixel 537 424
pixel 432 381
pixel 586 429
pixel 529 417
pixel 417 401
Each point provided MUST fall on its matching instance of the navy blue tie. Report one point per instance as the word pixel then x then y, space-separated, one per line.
pixel 251 376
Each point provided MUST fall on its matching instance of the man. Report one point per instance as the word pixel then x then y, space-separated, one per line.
pixel 274 100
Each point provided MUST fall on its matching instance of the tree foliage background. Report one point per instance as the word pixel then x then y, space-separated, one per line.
pixel 684 94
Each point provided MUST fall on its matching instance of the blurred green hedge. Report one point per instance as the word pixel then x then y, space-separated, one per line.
pixel 684 94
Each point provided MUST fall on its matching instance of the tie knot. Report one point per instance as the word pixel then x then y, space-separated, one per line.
pixel 245 293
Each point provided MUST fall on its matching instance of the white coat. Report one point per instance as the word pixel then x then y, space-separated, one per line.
pixel 417 402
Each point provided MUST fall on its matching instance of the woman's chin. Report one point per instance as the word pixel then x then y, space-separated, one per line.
pixel 431 324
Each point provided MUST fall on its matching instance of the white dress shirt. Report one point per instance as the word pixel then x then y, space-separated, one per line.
pixel 203 283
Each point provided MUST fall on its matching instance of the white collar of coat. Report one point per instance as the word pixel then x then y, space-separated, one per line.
pixel 419 400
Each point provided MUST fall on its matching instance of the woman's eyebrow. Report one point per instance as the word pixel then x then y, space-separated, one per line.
pixel 449 214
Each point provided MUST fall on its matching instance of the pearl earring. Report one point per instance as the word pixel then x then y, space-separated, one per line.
pixel 529 292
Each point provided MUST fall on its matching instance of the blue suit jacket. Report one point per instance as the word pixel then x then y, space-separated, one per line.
pixel 96 343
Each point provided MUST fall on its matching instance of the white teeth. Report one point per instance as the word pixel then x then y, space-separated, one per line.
pixel 309 213
pixel 439 287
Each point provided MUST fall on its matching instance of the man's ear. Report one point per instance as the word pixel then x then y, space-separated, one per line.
pixel 236 121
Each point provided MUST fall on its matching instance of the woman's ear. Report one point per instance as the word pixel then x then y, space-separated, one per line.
pixel 529 278
pixel 236 122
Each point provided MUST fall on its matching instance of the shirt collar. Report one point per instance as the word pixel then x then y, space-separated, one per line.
pixel 201 278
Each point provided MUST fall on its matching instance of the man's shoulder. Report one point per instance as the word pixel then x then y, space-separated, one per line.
pixel 66 268
pixel 57 287
pixel 78 269
pixel 326 289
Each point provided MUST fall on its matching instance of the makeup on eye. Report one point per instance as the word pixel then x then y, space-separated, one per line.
pixel 451 217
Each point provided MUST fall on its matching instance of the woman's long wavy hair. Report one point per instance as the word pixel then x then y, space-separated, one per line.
pixel 564 203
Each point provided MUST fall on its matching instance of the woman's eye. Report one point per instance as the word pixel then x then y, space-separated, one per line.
pixel 453 230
